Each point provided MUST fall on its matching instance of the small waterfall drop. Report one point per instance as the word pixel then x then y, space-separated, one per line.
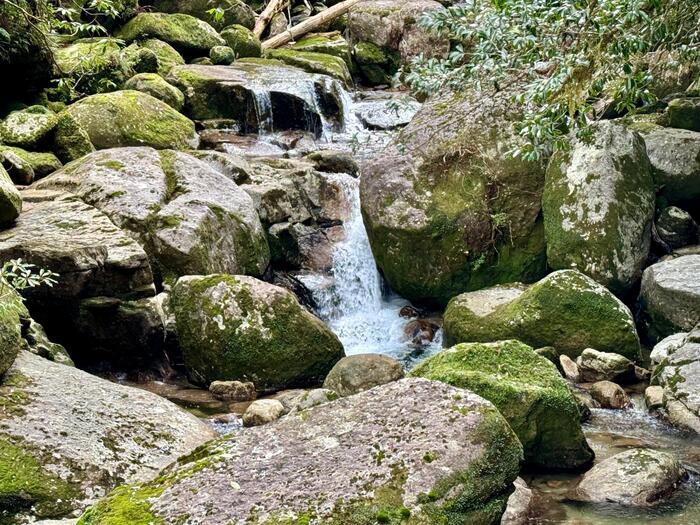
pixel 263 111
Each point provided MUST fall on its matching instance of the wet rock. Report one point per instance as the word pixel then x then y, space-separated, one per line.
pixel 566 310
pixel 327 43
pixel 238 328
pixel 609 395
pixel 598 220
pixel 154 85
pixel 676 227
pixel 434 237
pixel 387 113
pixel 684 113
pixel 26 127
pixel 243 41
pixel 654 397
pixel 189 35
pixel 519 505
pixel 85 454
pixel 132 118
pixel 262 412
pixel 10 199
pixel 313 63
pixel 454 428
pixel 638 478
pixel 599 366
pixel 570 369
pixel 356 373
pixel 333 161
pixel 233 390
pixel 420 332
pixel 670 296
pixel 175 205
pixel 529 392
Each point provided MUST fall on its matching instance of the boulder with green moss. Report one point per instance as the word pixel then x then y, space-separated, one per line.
pixel 221 55
pixel 27 127
pixel 52 474
pixel 598 207
pixel 156 86
pixel 377 66
pixel 527 389
pixel 242 40
pixel 38 164
pixel 233 11
pixel 187 34
pixel 313 63
pixel 11 307
pixel 239 328
pixel 132 118
pixel 70 140
pixel 441 455
pixel 166 55
pixel 447 210
pixel 566 310
pixel 188 216
pixel 328 43
pixel 10 199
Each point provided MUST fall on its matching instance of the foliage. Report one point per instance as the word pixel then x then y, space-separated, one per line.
pixel 567 61
pixel 21 275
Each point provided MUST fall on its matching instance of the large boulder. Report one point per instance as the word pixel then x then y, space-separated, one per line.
pixel 26 127
pixel 527 389
pixel 166 54
pixel 670 296
pixel 10 199
pixel 447 210
pixel 239 328
pixel 566 310
pixel 156 86
pixel 638 478
pixel 11 308
pixel 598 207
pixel 132 118
pixel 189 35
pixel 360 372
pixel 234 11
pixel 187 215
pixel 243 41
pixel 67 437
pixel 412 448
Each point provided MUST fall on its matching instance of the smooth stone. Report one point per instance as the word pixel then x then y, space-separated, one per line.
pixel 356 373
pixel 654 397
pixel 610 395
pixel 600 366
pixel 262 412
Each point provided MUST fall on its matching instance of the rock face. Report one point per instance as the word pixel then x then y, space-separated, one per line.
pixel 599 366
pixel 638 478
pixel 527 389
pixel 566 310
pixel 10 199
pixel 356 373
pixel 188 216
pixel 447 210
pixel 132 118
pixel 444 455
pixel 598 207
pixel 670 296
pixel 239 328
pixel 85 453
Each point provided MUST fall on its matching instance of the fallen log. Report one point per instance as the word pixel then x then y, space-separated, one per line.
pixel 272 8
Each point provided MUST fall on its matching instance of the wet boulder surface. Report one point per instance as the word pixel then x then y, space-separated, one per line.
pixel 444 454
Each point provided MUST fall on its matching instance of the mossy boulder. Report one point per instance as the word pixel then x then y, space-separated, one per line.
pixel 26 127
pixel 440 455
pixel 598 207
pixel 189 35
pixel 242 40
pixel 328 43
pixel 71 141
pixel 566 310
pixel 239 328
pixel 527 389
pixel 376 65
pixel 10 199
pixel 234 11
pixel 166 55
pixel 446 209
pixel 40 164
pixel 313 63
pixel 11 307
pixel 221 55
pixel 684 113
pixel 132 118
pixel 156 86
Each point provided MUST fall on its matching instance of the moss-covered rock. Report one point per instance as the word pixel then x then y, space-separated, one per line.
pixel 566 310
pixel 11 307
pixel 527 389
pixel 377 66
pixel 167 55
pixel 240 328
pixel 71 141
pixel 234 11
pixel 328 43
pixel 221 55
pixel 684 113
pixel 447 210
pixel 440 456
pixel 26 127
pixel 40 164
pixel 156 86
pixel 10 199
pixel 132 118
pixel 185 33
pixel 242 40
pixel 598 207
pixel 313 62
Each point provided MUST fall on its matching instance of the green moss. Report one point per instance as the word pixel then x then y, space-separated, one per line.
pixel 70 139
pixel 242 40
pixel 313 63
pixel 183 32
pixel 154 85
pixel 334 45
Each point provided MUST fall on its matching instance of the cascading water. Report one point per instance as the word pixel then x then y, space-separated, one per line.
pixel 352 301
pixel 263 111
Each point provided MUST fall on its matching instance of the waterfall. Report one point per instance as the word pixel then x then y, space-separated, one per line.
pixel 263 111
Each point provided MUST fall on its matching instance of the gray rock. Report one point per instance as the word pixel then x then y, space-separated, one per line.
pixel 654 397
pixel 435 441
pixel 569 368
pixel 388 113
pixel 313 398
pixel 667 346
pixel 10 199
pixel 519 505
pixel 684 113
pixel 609 395
pixel 232 390
pixel 261 412
pixel 676 227
pixel 101 435
pixel 189 217
pixel 670 296
pixel 638 478
pixel 599 366
pixel 356 373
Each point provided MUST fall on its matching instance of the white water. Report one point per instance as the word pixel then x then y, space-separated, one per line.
pixel 352 300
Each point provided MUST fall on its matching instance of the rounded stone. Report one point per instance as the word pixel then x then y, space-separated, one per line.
pixel 610 395
pixel 261 412
pixel 356 373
